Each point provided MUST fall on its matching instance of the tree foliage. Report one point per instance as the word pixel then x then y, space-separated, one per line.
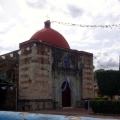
pixel 105 106
pixel 108 82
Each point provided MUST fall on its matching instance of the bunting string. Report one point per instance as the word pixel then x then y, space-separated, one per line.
pixel 98 62
pixel 19 52
pixel 5 87
pixel 92 26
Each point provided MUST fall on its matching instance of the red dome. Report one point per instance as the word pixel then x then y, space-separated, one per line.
pixel 49 35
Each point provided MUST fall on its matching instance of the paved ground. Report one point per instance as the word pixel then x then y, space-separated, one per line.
pixel 75 112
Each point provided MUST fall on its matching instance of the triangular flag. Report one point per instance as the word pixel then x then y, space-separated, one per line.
pixel 28 48
pixel 40 40
pixel 34 44
pixel 11 88
pixel 11 55
pixel 4 87
pixel 19 52
pixel 3 57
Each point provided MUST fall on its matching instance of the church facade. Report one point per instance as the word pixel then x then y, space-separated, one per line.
pixel 49 73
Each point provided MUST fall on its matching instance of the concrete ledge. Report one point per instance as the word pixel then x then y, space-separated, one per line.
pixel 7 115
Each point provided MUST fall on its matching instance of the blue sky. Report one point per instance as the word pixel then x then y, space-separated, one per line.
pixel 20 19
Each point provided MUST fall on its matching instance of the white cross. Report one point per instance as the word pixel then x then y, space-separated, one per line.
pixel 47 17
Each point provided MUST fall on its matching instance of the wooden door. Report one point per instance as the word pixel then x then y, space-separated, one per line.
pixel 66 96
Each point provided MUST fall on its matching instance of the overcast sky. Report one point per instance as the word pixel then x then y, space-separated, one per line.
pixel 20 19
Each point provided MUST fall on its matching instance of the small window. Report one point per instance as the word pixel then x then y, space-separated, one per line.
pixel 66 62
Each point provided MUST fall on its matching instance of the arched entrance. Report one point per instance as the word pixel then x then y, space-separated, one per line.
pixel 66 95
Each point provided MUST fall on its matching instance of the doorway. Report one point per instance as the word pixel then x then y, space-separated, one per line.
pixel 66 95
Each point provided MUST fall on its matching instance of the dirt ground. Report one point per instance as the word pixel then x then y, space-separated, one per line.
pixel 75 112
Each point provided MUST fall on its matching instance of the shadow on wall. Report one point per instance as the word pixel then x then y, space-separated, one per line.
pixel 7 99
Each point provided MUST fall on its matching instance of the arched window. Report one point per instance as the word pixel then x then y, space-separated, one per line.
pixel 66 62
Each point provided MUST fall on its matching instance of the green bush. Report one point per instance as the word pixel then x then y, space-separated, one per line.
pixel 105 106
pixel 101 98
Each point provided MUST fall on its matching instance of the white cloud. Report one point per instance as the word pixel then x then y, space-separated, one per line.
pixel 20 19
pixel 1 10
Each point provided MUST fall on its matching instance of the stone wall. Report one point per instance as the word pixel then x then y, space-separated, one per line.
pixel 35 81
pixel 87 78
pixel 79 70
pixel 43 68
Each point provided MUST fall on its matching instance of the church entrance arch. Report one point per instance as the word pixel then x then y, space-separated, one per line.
pixel 66 95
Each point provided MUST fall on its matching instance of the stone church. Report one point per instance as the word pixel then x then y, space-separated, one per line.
pixel 47 72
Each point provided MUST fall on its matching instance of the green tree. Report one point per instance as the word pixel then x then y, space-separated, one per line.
pixel 108 82
pixel 99 70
